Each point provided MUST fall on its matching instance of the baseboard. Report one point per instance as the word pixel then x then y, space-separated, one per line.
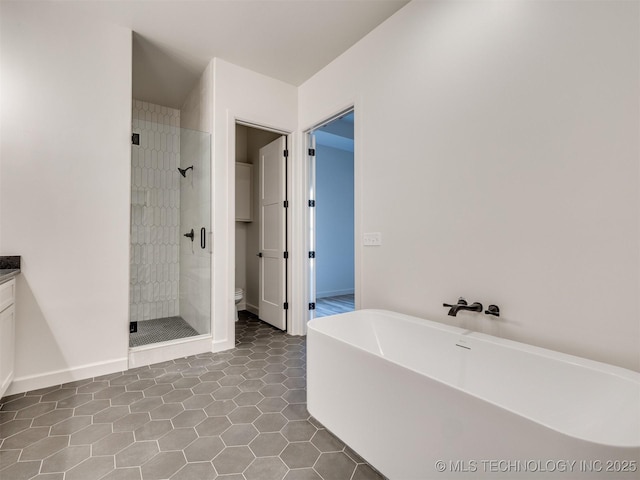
pixel 335 293
pixel 162 352
pixel 252 308
pixel 57 377
pixel 221 345
pixel 5 384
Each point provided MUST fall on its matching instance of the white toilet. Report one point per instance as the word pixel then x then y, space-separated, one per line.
pixel 238 297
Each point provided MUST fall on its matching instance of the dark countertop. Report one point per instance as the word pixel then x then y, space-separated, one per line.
pixel 7 274
pixel 9 267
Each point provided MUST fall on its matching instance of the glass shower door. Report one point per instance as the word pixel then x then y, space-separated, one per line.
pixel 170 264
pixel 195 217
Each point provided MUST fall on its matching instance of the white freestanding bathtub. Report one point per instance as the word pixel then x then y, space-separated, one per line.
pixel 420 400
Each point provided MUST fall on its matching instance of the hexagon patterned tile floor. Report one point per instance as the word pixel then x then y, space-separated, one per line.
pixel 235 415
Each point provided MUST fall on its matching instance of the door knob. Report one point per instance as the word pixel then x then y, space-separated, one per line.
pixel 259 254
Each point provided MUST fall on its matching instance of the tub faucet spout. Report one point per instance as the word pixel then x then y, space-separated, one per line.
pixel 462 305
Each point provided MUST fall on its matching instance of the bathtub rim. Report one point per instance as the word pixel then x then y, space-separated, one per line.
pixel 616 370
pixel 613 370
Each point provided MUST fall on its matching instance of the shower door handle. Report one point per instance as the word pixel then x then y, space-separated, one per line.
pixel 203 238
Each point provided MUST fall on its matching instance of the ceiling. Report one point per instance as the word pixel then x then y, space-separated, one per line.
pixel 289 40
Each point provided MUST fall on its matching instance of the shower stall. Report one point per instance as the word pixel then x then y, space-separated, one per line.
pixel 170 260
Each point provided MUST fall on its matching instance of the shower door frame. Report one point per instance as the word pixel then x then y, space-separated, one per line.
pixel 181 347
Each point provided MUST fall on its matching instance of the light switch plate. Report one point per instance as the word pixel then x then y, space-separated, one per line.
pixel 372 239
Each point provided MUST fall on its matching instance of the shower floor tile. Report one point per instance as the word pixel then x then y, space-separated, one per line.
pixel 210 416
pixel 161 330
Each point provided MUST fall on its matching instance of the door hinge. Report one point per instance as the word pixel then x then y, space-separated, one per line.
pixel 312 306
pixel 286 254
pixel 312 254
pixel 312 152
pixel 312 203
pixel 286 305
pixel 286 204
pixel 135 138
pixel 286 153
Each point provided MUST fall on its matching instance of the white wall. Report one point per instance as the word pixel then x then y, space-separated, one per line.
pixel 197 111
pixel 498 149
pixel 334 222
pixel 66 129
pixel 239 94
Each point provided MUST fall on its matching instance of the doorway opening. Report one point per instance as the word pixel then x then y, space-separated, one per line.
pixel 261 251
pixel 331 216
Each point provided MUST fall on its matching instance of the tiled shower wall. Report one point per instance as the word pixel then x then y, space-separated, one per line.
pixel 155 212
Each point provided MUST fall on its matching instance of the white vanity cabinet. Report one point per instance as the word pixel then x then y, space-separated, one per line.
pixel 7 333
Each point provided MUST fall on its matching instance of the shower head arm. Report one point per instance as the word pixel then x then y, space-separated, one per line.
pixel 183 172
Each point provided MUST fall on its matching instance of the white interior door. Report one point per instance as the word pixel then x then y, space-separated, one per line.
pixel 272 242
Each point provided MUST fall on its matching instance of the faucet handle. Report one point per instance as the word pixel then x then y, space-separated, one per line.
pixel 493 310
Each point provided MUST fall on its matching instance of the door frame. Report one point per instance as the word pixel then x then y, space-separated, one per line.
pixel 354 106
pixel 232 121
